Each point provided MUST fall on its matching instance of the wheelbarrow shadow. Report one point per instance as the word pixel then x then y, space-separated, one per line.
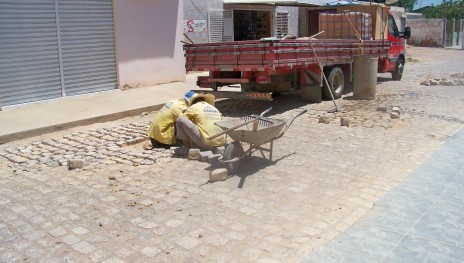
pixel 252 165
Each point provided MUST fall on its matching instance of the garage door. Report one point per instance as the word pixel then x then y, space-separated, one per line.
pixel 55 48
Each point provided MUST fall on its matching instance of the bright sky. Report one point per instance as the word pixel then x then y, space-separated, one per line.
pixel 422 3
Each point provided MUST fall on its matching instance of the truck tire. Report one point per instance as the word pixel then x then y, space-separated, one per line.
pixel 336 81
pixel 398 73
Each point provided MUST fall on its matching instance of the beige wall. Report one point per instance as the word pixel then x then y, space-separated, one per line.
pixel 148 47
pixel 427 32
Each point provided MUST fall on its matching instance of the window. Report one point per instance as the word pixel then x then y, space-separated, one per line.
pixel 392 26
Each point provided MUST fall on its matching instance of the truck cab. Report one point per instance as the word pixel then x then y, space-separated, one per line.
pixel 384 28
pixel 397 52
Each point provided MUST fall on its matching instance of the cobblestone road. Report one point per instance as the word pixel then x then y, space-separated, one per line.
pixel 131 205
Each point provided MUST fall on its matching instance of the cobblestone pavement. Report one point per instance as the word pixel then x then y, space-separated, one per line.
pixel 419 220
pixel 131 205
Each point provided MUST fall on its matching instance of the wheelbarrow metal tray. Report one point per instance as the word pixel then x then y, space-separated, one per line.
pixel 245 133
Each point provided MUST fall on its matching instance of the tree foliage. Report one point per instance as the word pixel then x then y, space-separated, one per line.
pixel 451 9
pixel 407 4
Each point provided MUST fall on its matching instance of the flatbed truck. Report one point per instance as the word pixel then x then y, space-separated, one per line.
pixel 264 67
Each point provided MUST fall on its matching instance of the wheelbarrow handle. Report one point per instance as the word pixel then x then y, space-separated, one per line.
pixel 239 125
pixel 291 121
pixel 265 112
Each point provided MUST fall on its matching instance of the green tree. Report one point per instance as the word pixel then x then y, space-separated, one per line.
pixel 407 4
pixel 451 9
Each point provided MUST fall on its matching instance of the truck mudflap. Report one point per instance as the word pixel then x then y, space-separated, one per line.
pixel 239 95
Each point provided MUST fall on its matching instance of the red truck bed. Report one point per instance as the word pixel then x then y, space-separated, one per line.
pixel 277 54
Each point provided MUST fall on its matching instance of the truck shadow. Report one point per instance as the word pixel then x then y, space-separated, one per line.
pixel 383 79
pixel 350 87
pixel 240 108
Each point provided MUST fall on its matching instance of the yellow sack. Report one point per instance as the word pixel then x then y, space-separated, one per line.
pixel 162 127
pixel 204 116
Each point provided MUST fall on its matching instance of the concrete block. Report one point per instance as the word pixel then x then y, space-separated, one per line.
pixel 204 156
pixel 218 175
pixel 194 154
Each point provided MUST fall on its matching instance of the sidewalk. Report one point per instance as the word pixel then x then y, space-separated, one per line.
pixel 64 113
pixel 420 220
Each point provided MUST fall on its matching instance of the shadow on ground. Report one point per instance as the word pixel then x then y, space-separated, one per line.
pixel 241 108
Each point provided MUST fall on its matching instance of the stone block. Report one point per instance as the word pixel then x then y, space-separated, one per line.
pixel 324 119
pixel 75 164
pixel 220 174
pixel 345 122
pixel 214 159
pixel 194 154
pixel 394 115
pixel 204 156
pixel 219 150
pixel 382 109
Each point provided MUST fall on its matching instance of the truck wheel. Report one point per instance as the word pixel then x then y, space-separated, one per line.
pixel 336 81
pixel 398 73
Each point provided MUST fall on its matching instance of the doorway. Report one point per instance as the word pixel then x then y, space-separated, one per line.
pixel 251 24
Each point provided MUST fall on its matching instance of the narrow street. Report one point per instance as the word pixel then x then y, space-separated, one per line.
pixel 128 204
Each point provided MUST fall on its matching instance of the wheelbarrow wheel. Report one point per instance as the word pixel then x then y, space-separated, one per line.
pixel 232 151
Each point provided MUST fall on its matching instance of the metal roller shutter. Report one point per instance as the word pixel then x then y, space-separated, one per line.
pixel 281 24
pixel 215 25
pixel 55 48
pixel 29 57
pixel 87 46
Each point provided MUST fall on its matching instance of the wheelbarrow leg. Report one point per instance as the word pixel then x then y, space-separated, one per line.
pixel 270 152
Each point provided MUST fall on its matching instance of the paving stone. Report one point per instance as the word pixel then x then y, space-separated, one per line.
pixel 194 154
pixel 150 251
pixel 70 239
pixel 188 242
pixel 79 230
pixel 83 247
pixel 205 156
pixel 220 174
pixel 345 122
pixel 318 184
pixel 147 225
pixel 57 232
pixel 174 222
pixel 394 115
pixel 113 260
pixel 216 240
pixel 324 119
pixel 75 164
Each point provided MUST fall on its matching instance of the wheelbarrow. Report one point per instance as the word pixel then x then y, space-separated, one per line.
pixel 252 130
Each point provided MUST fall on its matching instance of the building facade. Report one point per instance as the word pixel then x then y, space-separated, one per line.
pixel 55 48
pixel 223 20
